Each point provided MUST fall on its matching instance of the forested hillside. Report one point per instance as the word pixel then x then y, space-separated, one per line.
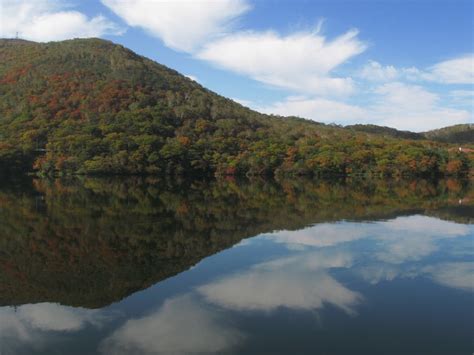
pixel 89 106
pixel 458 134
pixel 462 133
pixel 385 131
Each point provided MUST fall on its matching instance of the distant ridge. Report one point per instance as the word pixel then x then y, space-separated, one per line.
pixel 461 133
pixel 385 131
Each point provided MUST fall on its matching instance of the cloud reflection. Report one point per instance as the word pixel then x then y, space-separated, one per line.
pixel 412 238
pixel 298 282
pixel 397 240
pixel 459 275
pixel 180 326
pixel 319 235
pixel 399 248
pixel 34 324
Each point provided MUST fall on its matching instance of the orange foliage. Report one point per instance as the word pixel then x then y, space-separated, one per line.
pixel 454 166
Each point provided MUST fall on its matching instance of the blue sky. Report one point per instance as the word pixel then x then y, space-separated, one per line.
pixel 405 64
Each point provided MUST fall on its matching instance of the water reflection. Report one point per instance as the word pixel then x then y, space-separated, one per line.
pixel 401 247
pixel 316 266
pixel 181 326
pixel 397 240
pixel 37 326
pixel 301 282
pixel 457 275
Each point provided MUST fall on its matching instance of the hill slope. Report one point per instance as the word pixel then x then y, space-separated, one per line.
pixel 385 131
pixel 462 133
pixel 458 134
pixel 89 106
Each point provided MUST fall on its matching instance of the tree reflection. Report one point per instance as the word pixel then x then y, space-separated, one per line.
pixel 90 242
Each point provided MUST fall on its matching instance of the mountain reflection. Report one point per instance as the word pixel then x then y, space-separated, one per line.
pixel 314 262
pixel 91 242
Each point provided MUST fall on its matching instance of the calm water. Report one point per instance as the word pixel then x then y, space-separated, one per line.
pixel 143 266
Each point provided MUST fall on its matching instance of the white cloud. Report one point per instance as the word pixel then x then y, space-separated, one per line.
pixel 410 97
pixel 412 107
pixel 375 71
pixel 50 20
pixel 301 62
pixel 182 24
pixel 180 326
pixel 462 93
pixel 463 97
pixel 300 282
pixel 317 109
pixel 398 105
pixel 455 71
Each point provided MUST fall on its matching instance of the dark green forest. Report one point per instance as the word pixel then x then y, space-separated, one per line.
pixel 93 241
pixel 458 134
pixel 463 133
pixel 89 106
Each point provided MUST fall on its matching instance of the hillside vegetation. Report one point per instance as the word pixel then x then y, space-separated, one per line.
pixel 459 134
pixel 462 133
pixel 385 131
pixel 88 106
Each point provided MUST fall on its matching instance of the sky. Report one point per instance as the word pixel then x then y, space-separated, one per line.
pixel 405 64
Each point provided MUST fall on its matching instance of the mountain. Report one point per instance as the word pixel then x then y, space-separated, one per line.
pixel 458 134
pixel 385 131
pixel 88 106
pixel 461 134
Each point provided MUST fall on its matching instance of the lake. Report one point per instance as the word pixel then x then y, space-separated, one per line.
pixel 148 266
